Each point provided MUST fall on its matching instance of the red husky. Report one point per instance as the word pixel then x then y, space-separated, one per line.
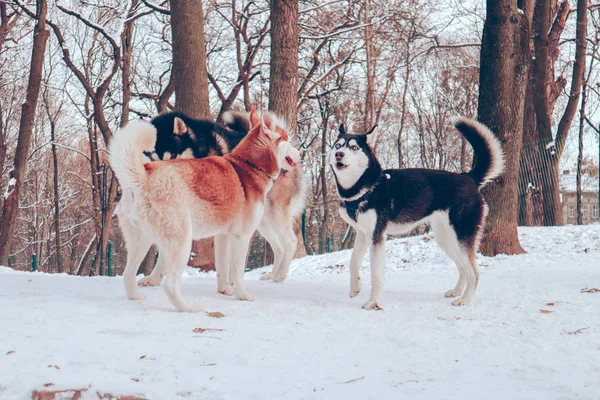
pixel 170 203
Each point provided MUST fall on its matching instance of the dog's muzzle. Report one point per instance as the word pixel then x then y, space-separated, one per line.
pixel 339 156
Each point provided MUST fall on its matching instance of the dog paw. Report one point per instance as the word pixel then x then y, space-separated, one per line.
pixel 265 277
pixel 227 291
pixel 372 305
pixel 453 293
pixel 278 277
pixel 354 290
pixel 461 302
pixel 137 295
pixel 150 281
pixel 245 296
pixel 192 308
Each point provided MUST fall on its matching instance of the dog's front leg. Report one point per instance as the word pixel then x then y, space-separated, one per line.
pixel 377 275
pixel 222 263
pixel 358 253
pixel 238 245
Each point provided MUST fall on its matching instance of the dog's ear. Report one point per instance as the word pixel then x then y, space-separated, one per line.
pixel 269 120
pixel 372 136
pixel 342 130
pixel 179 127
pixel 255 120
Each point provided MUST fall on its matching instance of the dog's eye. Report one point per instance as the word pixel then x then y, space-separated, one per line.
pixel 337 145
pixel 354 147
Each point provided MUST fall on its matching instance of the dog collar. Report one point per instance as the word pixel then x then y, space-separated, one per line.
pixel 260 169
pixel 353 205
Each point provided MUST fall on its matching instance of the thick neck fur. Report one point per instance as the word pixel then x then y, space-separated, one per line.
pixel 258 152
pixel 367 180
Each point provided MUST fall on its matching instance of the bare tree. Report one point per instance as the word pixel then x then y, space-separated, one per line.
pixel 503 76
pixel 11 203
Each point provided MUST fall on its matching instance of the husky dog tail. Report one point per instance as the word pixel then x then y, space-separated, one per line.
pixel 489 158
pixel 240 121
pixel 126 151
pixel 237 121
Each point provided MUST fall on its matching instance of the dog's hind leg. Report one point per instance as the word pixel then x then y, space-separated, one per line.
pixel 288 242
pixel 137 246
pixel 240 243
pixel 468 258
pixel 268 230
pixel 358 253
pixel 158 273
pixel 446 238
pixel 222 263
pixel 177 253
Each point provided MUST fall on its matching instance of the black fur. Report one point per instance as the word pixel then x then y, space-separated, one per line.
pixel 200 136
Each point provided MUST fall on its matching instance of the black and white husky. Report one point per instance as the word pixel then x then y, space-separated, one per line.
pixel 379 202
pixel 180 136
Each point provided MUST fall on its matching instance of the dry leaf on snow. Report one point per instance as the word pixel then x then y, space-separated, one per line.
pixel 590 290
pixel 578 331
pixel 202 330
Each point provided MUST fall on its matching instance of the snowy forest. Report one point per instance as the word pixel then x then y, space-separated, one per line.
pixel 73 72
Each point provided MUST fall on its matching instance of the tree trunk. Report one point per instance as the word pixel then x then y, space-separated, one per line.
pixel 59 262
pixel 283 87
pixel 544 152
pixel 126 48
pixel 399 142
pixel 567 119
pixel 324 227
pixel 529 158
pixel 11 203
pixel 503 77
pixel 2 145
pixel 191 86
pixel 579 195
pixel 189 58
pixel 369 117
pixel 582 119
pixel 537 173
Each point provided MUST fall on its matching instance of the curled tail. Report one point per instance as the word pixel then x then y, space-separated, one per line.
pixel 127 149
pixel 237 120
pixel 240 121
pixel 489 158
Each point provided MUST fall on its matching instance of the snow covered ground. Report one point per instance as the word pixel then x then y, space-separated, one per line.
pixel 305 339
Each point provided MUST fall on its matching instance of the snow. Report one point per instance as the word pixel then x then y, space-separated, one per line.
pixel 568 182
pixel 305 339
pixel 9 188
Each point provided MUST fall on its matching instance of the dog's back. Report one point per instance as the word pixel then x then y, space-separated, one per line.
pixel 194 138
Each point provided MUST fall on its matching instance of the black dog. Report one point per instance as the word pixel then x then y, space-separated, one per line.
pixel 181 136
pixel 378 202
